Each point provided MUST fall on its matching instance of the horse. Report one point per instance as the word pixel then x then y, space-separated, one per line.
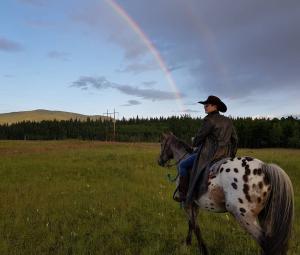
pixel 259 196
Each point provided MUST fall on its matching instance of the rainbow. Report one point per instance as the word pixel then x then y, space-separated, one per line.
pixel 146 41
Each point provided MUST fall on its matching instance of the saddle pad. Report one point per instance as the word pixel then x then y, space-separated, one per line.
pixel 214 168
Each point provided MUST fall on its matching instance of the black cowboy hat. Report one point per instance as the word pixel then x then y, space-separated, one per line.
pixel 215 101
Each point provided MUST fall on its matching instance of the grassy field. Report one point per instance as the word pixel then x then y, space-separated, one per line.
pixel 76 197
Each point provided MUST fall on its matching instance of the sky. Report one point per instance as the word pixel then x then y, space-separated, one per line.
pixel 150 58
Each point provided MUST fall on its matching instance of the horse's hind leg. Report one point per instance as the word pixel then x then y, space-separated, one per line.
pixel 250 223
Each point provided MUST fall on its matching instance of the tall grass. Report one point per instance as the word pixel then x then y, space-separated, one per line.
pixel 75 197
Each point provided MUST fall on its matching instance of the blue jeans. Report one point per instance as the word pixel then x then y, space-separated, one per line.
pixel 186 164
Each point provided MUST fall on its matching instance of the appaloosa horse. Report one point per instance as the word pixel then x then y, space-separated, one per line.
pixel 259 196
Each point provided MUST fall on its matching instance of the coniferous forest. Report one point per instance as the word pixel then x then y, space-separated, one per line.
pixel 252 133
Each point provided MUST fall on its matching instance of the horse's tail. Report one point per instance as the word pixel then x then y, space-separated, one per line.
pixel 277 217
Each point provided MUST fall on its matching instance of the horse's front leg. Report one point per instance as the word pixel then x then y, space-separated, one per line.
pixel 201 244
pixel 188 240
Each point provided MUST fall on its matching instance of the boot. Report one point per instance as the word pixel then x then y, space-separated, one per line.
pixel 183 188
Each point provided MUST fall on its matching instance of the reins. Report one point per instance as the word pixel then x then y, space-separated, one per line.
pixel 167 143
pixel 176 163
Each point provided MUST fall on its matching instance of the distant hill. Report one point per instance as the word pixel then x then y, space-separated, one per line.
pixel 39 115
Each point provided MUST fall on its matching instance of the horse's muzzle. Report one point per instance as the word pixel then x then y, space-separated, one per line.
pixel 160 162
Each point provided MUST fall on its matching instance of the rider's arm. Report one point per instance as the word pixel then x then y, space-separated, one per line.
pixel 203 132
pixel 234 142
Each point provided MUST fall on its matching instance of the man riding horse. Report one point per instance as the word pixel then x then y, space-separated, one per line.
pixel 216 139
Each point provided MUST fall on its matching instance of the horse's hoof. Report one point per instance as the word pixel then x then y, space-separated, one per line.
pixel 188 241
pixel 203 250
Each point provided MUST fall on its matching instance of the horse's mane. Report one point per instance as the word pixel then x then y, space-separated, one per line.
pixel 180 143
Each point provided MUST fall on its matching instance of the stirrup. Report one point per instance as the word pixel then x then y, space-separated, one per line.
pixel 179 199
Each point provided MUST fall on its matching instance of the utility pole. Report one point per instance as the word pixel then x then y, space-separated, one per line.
pixel 114 121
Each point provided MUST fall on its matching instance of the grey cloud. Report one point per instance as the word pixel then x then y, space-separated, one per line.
pixel 191 111
pixel 175 67
pixel 132 103
pixel 100 18
pixel 191 103
pixel 86 82
pixel 137 67
pixel 230 48
pixel 133 49
pixel 9 46
pixel 149 94
pixel 59 55
pixel 8 76
pixel 149 83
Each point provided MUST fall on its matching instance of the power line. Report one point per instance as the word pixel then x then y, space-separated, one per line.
pixel 114 120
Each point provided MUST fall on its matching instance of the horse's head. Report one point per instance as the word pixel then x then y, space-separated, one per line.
pixel 166 152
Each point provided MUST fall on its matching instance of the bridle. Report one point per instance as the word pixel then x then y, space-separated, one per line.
pixel 166 163
pixel 166 145
pixel 177 162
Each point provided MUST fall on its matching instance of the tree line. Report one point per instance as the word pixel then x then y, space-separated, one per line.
pixel 252 133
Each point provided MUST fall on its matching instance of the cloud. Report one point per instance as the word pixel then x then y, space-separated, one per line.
pixel 148 94
pixel 102 19
pixel 195 103
pixel 132 103
pixel 175 67
pixel 191 111
pixel 149 83
pixel 234 49
pixel 86 82
pixel 8 76
pixel 230 48
pixel 59 55
pixel 137 67
pixel 9 46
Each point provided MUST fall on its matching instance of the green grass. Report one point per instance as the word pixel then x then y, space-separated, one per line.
pixel 75 197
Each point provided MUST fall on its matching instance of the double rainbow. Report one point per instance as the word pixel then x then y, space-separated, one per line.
pixel 152 49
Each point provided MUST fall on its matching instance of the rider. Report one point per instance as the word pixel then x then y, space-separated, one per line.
pixel 216 139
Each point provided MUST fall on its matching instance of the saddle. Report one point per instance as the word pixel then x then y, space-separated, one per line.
pixel 214 167
pixel 210 171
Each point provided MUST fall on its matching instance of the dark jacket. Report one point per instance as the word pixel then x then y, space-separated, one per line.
pixel 216 139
